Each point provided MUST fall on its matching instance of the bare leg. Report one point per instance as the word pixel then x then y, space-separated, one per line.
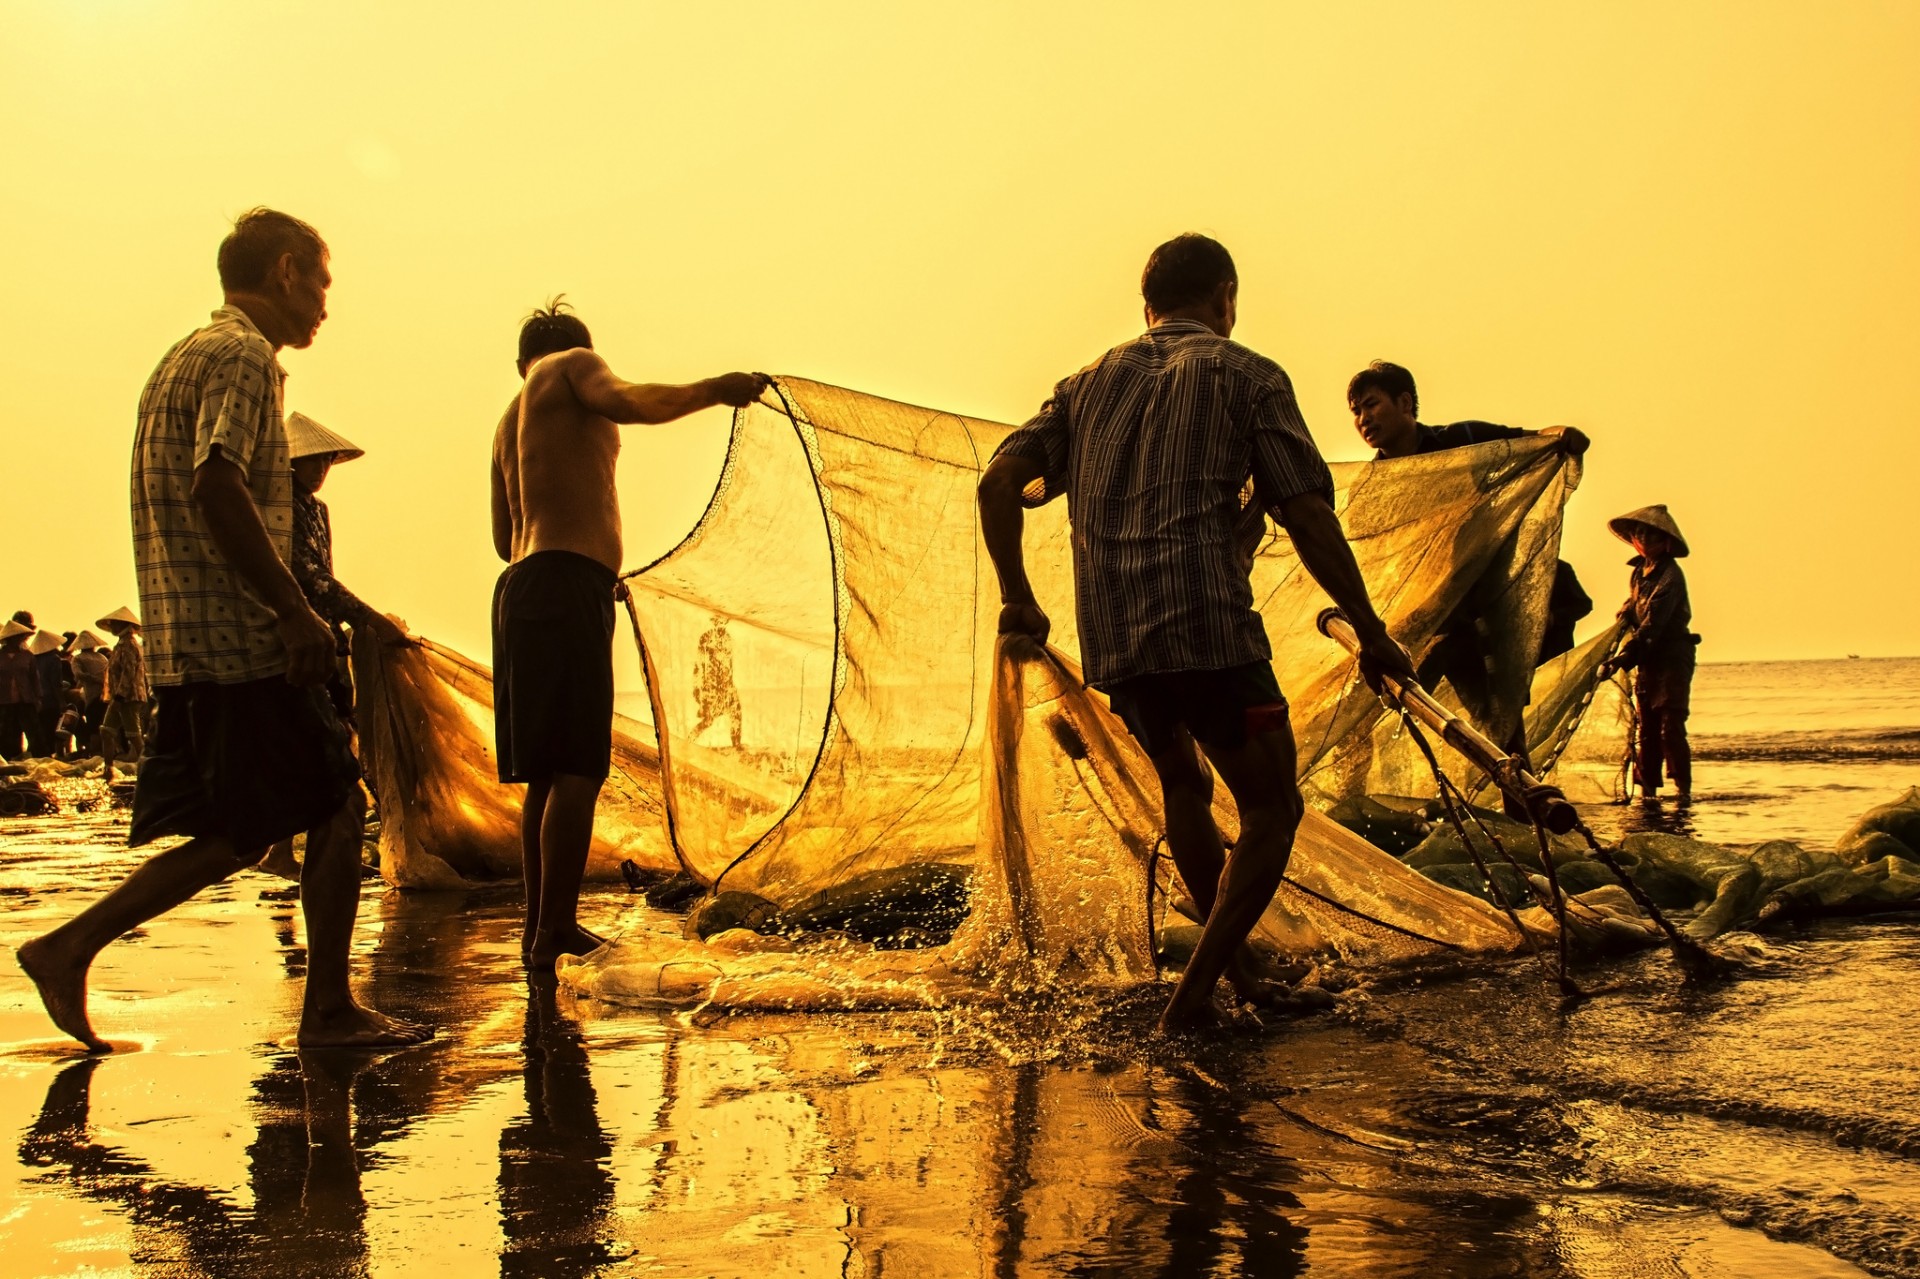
pixel 58 961
pixel 1200 854
pixel 533 811
pixel 330 1017
pixel 1260 776
pixel 566 833
pixel 109 747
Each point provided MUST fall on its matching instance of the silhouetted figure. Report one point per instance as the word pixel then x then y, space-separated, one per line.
pixel 556 521
pixel 1659 648
pixel 246 749
pixel 1153 444
pixel 19 689
pixel 715 693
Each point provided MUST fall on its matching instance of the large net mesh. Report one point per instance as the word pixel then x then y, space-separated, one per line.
pixel 848 755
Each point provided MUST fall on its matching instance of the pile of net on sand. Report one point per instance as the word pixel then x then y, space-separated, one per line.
pixel 1711 888
pixel 880 801
pixel 425 715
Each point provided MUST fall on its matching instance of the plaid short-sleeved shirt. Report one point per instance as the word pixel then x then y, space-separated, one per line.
pixel 1152 444
pixel 218 388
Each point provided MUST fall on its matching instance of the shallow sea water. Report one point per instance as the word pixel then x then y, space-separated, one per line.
pixel 1473 1125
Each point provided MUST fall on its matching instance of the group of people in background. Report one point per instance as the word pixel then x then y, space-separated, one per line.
pixel 69 696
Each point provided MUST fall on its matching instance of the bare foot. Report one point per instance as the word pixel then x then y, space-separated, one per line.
pixel 357 1026
pixel 1279 997
pixel 541 955
pixel 63 989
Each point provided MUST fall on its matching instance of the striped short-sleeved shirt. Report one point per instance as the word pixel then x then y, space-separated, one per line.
pixel 218 388
pixel 1153 444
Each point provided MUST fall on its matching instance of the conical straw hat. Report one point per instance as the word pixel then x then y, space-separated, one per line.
pixel 121 614
pixel 43 642
pixel 1653 517
pixel 307 438
pixel 87 639
pixel 12 629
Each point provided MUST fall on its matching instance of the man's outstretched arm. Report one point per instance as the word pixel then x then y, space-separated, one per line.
pixel 1322 545
pixel 1003 522
pixel 599 391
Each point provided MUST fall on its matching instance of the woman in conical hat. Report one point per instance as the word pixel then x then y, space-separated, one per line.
pixel 122 616
pixel 1660 645
pixel 87 640
pixel 1654 517
pixel 316 451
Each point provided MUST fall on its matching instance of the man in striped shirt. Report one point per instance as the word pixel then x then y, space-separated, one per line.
pixel 1153 445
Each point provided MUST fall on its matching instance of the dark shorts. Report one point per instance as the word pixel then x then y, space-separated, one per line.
pixel 553 667
pixel 1219 708
pixel 257 763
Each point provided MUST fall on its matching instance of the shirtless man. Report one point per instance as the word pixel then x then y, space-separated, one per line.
pixel 556 521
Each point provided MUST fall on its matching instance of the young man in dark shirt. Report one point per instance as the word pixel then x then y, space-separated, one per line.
pixel 1386 407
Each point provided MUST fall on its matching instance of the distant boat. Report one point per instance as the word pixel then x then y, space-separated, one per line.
pixel 1854 656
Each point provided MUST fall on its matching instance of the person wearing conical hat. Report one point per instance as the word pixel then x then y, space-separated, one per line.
pixel 315 451
pixel 51 680
pixel 246 748
pixel 19 689
pixel 123 722
pixel 1659 648
pixel 90 677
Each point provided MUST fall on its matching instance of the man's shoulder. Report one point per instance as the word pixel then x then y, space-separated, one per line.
pixel 1456 435
pixel 224 339
pixel 1236 359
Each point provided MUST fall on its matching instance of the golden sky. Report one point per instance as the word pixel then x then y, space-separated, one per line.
pixel 1688 229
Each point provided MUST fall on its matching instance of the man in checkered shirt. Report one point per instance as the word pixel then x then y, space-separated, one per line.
pixel 246 749
pixel 1153 445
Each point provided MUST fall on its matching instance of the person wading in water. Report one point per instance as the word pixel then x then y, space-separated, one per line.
pixel 1152 444
pixel 1659 648
pixel 556 521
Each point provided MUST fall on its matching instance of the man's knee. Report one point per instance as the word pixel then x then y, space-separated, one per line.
pixel 1281 810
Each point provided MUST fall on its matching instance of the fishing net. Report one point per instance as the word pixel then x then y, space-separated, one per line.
pixel 889 803
pixel 425 715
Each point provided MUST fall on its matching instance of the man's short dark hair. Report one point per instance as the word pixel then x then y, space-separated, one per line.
pixel 551 328
pixel 1382 376
pixel 259 239
pixel 1185 271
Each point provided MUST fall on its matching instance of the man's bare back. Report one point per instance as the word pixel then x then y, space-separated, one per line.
pixel 555 449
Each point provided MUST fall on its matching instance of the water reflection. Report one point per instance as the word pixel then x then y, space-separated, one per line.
pixel 1456 1128
pixel 556 1183
pixel 308 1216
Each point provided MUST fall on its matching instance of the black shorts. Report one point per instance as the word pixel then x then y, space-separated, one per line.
pixel 553 667
pixel 257 763
pixel 1219 708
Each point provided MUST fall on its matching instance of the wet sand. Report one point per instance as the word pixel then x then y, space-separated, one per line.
pixel 1766 1127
